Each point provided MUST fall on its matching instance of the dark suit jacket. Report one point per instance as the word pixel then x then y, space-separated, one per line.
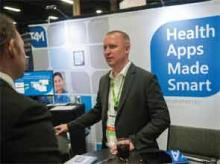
pixel 142 112
pixel 27 134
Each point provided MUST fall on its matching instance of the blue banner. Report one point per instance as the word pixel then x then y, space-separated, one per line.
pixel 185 56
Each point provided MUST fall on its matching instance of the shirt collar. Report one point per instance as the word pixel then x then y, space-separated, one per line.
pixel 123 72
pixel 7 78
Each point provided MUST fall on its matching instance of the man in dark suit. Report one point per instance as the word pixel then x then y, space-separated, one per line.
pixel 27 134
pixel 129 101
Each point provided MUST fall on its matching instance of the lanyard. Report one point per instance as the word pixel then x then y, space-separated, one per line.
pixel 116 98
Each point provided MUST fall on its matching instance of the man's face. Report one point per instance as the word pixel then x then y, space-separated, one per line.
pixel 18 50
pixel 116 50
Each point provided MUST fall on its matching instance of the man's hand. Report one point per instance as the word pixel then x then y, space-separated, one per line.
pixel 113 148
pixel 62 128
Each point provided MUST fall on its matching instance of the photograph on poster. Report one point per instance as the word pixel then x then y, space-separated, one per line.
pixel 61 94
pixel 78 58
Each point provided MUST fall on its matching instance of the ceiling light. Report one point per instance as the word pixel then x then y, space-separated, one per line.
pixel 12 9
pixel 52 17
pixel 68 1
pixel 98 11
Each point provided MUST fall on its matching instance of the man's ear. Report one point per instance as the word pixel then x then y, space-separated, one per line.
pixel 128 48
pixel 11 48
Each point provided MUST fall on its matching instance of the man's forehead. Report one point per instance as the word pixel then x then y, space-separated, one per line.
pixel 114 36
pixel 18 36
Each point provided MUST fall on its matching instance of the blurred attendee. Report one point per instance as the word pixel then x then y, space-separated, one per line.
pixel 129 101
pixel 61 95
pixel 27 134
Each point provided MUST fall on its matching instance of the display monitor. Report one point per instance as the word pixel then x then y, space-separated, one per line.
pixel 36 83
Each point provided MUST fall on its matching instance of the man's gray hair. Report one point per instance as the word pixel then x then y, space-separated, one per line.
pixel 124 35
pixel 7 31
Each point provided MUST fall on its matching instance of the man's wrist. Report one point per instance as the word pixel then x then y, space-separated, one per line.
pixel 132 143
pixel 68 126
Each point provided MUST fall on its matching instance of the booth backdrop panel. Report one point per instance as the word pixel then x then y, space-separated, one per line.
pixel 75 47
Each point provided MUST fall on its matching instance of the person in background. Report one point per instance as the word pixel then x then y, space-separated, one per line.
pixel 129 101
pixel 60 93
pixel 27 134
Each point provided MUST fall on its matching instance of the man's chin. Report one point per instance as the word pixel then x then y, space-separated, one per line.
pixel 110 64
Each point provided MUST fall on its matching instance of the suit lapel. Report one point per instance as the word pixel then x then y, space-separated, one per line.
pixel 126 88
pixel 4 83
pixel 106 84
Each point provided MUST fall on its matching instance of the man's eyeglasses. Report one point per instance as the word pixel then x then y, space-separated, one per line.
pixel 27 41
pixel 26 38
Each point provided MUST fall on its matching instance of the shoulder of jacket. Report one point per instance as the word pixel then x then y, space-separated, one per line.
pixel 142 71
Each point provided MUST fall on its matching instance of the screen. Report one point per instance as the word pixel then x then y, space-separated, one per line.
pixel 36 83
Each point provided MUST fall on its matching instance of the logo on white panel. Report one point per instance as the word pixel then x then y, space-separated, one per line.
pixel 38 37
